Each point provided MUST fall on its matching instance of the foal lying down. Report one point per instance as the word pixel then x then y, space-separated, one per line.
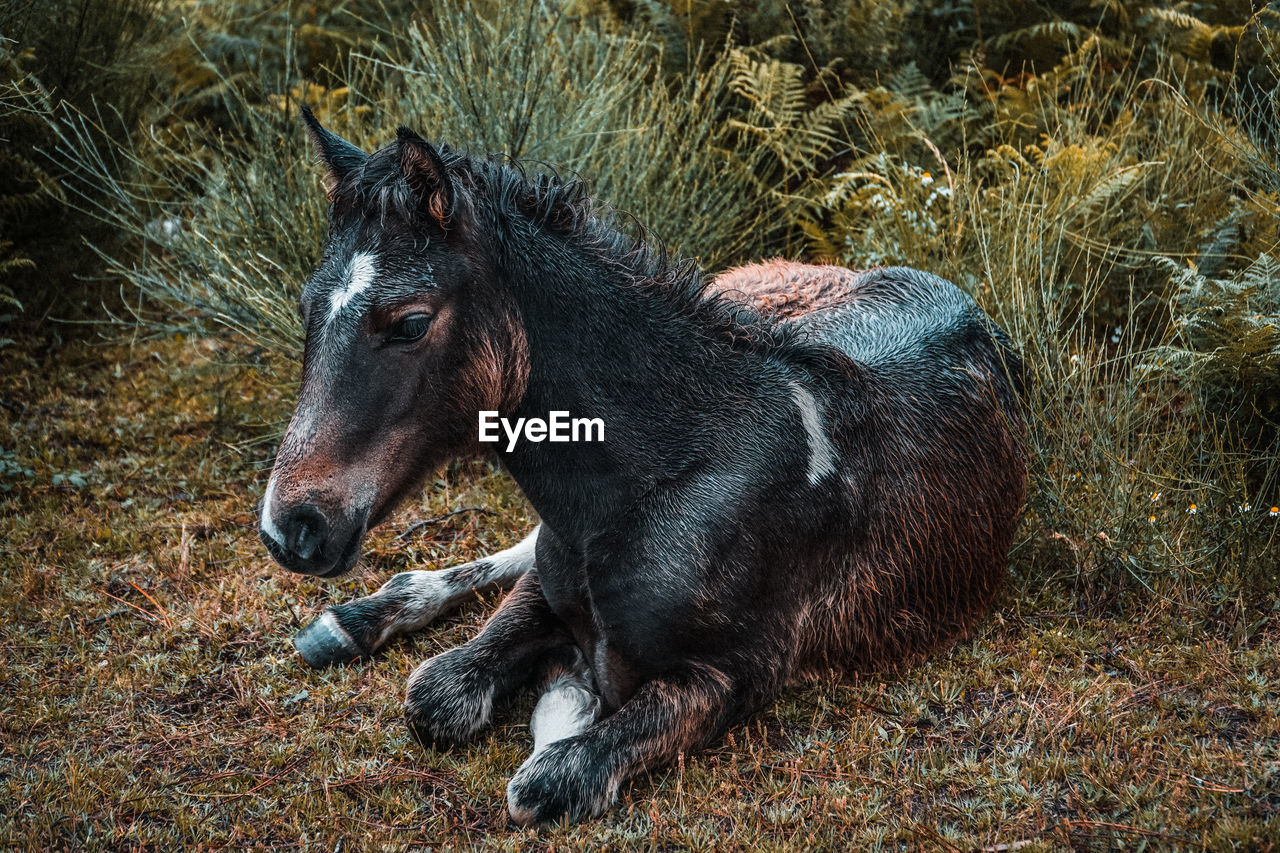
pixel 803 468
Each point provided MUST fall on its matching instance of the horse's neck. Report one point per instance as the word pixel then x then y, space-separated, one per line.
pixel 669 394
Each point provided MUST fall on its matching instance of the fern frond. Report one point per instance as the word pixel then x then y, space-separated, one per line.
pixel 1182 20
pixel 774 88
pixel 1082 59
pixel 820 245
pixel 1228 337
pixel 1054 31
pixel 1109 192
pixel 1224 238
pixel 1112 10
pixel 8 265
pixel 909 82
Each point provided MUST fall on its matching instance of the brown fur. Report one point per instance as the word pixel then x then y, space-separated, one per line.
pixel 787 288
pixel 494 378
pixel 896 615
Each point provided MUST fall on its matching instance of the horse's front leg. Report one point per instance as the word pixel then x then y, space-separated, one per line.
pixel 408 602
pixel 579 776
pixel 451 696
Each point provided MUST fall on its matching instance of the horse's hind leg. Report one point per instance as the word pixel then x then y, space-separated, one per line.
pixel 569 703
pixel 579 776
pixel 406 603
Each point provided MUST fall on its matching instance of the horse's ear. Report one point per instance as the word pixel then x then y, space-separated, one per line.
pixel 427 175
pixel 338 155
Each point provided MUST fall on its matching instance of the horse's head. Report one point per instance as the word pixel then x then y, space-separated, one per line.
pixel 408 336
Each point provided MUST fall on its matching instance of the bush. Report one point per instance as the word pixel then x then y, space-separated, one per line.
pixel 50 51
pixel 1226 347
pixel 1138 476
pixel 1051 162
pixel 230 226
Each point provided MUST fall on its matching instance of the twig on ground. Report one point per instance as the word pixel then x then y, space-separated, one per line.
pixel 1076 825
pixel 105 616
pixel 417 525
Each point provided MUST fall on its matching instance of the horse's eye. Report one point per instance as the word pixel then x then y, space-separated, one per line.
pixel 410 329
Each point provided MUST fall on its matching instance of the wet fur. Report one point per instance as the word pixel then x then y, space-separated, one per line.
pixel 700 560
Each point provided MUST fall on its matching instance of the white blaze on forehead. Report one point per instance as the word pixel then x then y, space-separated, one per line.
pixel 822 456
pixel 360 274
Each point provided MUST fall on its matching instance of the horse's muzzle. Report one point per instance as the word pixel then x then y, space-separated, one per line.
pixel 305 542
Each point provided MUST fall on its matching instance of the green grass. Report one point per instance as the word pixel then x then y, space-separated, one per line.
pixel 152 699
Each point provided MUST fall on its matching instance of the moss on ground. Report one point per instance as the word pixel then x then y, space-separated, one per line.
pixel 152 699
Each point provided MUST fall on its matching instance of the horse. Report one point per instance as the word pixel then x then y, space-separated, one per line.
pixel 803 468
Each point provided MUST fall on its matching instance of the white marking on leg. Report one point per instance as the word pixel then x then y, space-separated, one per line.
pixel 559 766
pixel 567 708
pixel 412 600
pixel 432 593
pixel 425 595
pixel 515 560
pixel 330 623
pixel 360 274
pixel 265 521
pixel 822 456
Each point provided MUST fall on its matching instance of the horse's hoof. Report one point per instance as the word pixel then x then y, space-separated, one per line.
pixel 560 782
pixel 324 643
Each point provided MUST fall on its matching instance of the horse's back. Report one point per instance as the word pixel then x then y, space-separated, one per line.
pixel 890 318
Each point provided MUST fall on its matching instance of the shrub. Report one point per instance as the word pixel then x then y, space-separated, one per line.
pixel 230 223
pixel 1226 347
pixel 1056 200
pixel 1054 162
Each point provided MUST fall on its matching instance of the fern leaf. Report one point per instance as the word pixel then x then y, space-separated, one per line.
pixel 909 82
pixel 1056 31
pixel 774 88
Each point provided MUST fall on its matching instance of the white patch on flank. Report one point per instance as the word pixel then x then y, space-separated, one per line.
pixel 360 274
pixel 822 456
pixel 266 522
pixel 566 709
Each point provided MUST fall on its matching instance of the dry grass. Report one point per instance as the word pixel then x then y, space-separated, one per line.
pixel 1125 693
pixel 152 698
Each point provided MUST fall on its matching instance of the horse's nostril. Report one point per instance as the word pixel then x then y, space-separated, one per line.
pixel 305 531
pixel 307 541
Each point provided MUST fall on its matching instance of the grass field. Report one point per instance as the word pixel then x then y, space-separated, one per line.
pixel 1101 176
pixel 152 699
